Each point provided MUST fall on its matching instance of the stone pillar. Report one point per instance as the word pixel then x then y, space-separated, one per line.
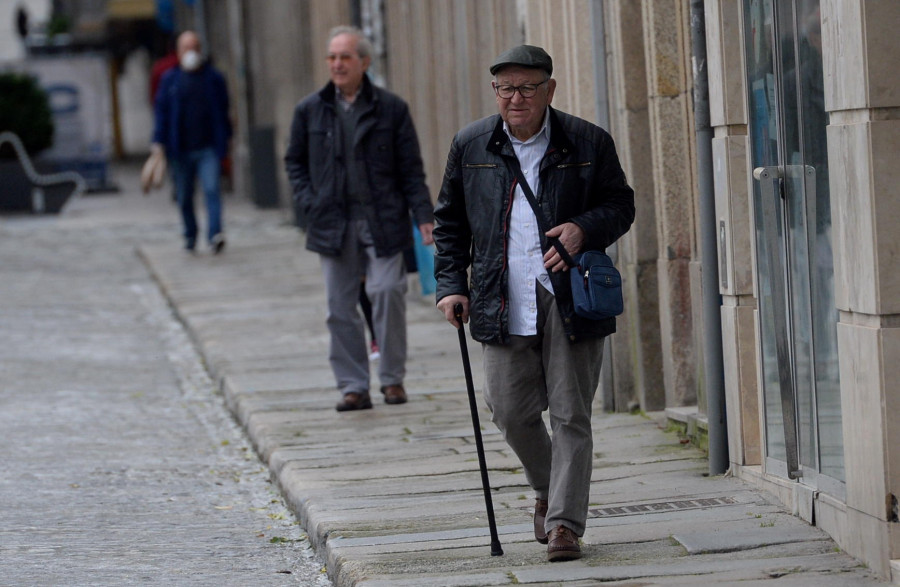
pixel 672 161
pixel 728 115
pixel 862 95
pixel 637 346
pixel 239 93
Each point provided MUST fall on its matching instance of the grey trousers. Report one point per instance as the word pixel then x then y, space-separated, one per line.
pixel 386 287
pixel 540 372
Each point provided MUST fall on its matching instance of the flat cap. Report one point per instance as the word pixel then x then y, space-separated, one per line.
pixel 525 56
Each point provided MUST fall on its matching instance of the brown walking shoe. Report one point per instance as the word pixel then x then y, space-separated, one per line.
pixel 394 394
pixel 540 515
pixel 563 545
pixel 354 401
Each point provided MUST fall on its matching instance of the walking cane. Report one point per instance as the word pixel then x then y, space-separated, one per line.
pixel 496 550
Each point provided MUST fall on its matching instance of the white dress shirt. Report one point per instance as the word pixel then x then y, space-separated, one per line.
pixel 524 255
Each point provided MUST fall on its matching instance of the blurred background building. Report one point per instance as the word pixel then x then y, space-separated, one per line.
pixel 762 140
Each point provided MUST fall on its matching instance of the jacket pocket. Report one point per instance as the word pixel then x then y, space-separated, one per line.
pixel 378 149
pixel 567 165
pixel 479 166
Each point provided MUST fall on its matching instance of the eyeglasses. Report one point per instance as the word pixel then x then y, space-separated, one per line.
pixel 342 57
pixel 525 90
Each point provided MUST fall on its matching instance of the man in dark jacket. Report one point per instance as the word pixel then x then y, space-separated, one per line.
pixel 354 164
pixel 514 288
pixel 194 130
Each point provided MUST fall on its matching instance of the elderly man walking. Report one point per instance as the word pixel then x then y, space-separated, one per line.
pixel 514 288
pixel 357 175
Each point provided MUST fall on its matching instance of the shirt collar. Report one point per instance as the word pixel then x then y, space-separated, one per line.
pixel 545 130
pixel 346 104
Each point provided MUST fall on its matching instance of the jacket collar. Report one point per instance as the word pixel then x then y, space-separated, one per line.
pixel 328 93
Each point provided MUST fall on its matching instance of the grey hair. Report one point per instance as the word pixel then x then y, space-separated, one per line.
pixel 363 44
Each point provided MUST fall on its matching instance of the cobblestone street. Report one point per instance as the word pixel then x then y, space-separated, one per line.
pixel 121 464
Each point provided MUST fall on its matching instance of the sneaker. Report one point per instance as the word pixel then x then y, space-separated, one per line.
pixel 375 354
pixel 217 243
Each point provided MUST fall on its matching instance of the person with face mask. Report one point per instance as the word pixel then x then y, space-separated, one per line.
pixel 193 129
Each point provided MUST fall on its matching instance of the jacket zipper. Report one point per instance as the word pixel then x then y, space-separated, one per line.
pixel 506 215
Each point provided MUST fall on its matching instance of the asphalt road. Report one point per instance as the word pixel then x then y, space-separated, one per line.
pixel 120 463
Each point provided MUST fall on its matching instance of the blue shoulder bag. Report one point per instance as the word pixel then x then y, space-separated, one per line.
pixel 596 283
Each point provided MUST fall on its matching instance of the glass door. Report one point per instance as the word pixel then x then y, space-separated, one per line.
pixel 795 270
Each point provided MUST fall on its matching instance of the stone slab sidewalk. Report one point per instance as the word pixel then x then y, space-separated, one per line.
pixel 392 496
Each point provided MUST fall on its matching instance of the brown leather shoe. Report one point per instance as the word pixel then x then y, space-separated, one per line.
pixel 563 545
pixel 354 401
pixel 394 394
pixel 540 515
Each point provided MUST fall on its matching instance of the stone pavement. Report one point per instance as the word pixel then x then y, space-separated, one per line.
pixel 120 463
pixel 392 496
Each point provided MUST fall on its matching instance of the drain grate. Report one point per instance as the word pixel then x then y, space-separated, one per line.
pixel 660 506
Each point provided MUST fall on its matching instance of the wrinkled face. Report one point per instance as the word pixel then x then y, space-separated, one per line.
pixel 524 115
pixel 344 63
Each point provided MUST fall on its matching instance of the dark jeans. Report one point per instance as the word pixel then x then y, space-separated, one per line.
pixel 205 164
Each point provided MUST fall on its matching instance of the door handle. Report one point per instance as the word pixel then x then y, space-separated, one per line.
pixel 771 199
pixel 766 173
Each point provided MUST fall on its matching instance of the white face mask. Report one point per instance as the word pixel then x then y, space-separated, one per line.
pixel 191 60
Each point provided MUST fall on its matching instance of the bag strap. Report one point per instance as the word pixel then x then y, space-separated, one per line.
pixel 539 214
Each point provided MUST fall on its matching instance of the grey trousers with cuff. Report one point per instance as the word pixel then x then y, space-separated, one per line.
pixel 386 288
pixel 537 373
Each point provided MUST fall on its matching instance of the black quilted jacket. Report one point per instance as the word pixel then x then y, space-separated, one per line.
pixel 581 182
pixel 387 141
